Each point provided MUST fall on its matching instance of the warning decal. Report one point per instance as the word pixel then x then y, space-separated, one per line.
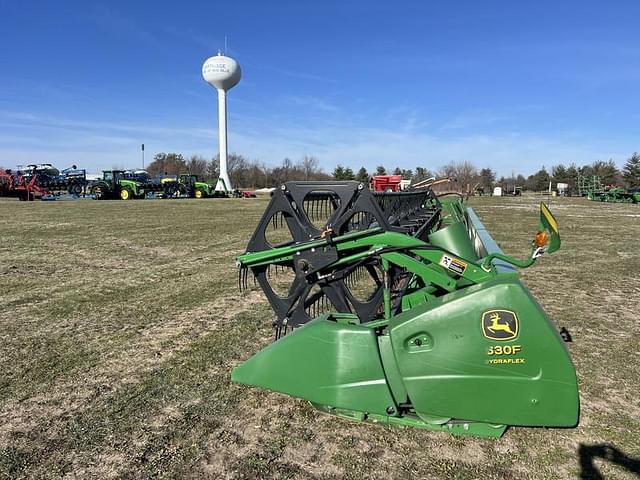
pixel 453 264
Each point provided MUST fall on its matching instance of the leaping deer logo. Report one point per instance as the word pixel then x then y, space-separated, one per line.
pixel 500 324
pixel 496 327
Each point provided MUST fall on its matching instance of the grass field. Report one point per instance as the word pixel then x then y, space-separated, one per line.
pixel 120 323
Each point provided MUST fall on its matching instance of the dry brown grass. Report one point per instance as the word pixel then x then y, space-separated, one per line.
pixel 121 321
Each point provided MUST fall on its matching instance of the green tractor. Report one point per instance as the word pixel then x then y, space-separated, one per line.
pixel 114 185
pixel 193 188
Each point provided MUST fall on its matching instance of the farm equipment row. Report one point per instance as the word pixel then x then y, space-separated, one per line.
pixel 42 181
pixel 129 185
pixel 125 186
pixel 47 183
pixel 399 308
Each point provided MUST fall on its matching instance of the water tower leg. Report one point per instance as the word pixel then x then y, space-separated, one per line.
pixel 224 183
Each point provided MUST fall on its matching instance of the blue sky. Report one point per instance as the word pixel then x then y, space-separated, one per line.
pixel 511 85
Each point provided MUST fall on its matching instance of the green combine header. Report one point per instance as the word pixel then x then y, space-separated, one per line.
pixel 399 308
pixel 616 195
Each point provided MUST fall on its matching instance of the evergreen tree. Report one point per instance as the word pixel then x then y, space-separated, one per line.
pixel 539 181
pixel 572 175
pixel 421 174
pixel 607 171
pixel 342 173
pixel 487 178
pixel 380 170
pixel 362 175
pixel 631 171
pixel 586 170
pixel 559 173
pixel 348 174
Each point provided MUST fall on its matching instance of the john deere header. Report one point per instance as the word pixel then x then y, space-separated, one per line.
pixel 400 308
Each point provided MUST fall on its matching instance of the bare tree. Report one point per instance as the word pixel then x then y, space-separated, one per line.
pixel 464 173
pixel 197 165
pixel 309 166
pixel 246 173
pixel 212 171
pixel 170 163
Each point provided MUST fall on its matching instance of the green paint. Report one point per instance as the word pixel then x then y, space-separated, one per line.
pixel 450 374
pixel 326 362
pixel 454 238
pixel 469 352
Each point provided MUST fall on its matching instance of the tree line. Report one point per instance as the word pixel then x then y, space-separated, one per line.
pixel 248 173
pixel 242 171
pixel 467 176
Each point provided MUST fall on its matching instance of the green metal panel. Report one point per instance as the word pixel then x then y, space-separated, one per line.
pixel 394 378
pixel 450 371
pixel 455 239
pixel 326 362
pixel 453 209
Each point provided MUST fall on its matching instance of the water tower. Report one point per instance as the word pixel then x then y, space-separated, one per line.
pixel 222 73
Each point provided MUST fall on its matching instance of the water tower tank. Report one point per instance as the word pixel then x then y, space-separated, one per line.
pixel 221 72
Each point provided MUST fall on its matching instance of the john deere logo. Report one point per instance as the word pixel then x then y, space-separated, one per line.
pixel 500 324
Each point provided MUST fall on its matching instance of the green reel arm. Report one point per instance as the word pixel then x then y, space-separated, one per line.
pixel 547 240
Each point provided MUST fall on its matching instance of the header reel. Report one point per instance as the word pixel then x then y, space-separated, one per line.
pixel 301 212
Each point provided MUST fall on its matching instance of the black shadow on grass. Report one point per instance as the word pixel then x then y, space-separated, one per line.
pixel 587 454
